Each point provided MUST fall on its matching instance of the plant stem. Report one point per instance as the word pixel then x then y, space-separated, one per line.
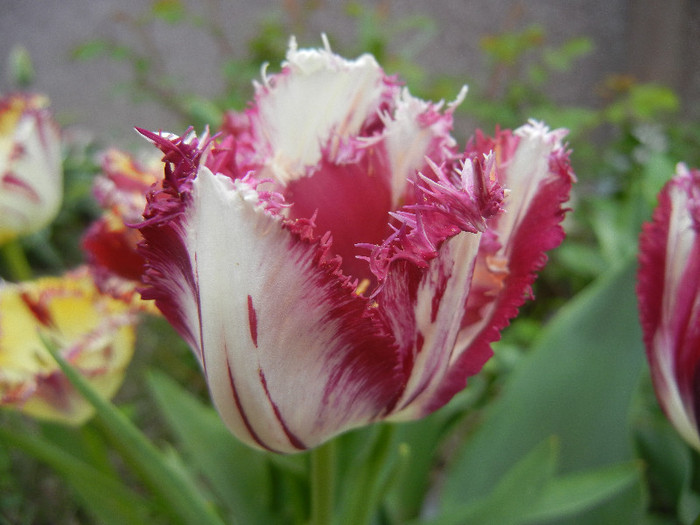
pixel 16 260
pixel 370 478
pixel 323 484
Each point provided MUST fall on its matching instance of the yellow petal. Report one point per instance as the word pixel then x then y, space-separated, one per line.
pixel 95 333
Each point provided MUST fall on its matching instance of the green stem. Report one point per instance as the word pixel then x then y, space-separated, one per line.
pixel 323 484
pixel 370 479
pixel 16 261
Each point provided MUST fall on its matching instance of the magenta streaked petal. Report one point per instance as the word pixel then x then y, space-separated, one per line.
pixel 425 309
pixel 169 274
pixel 334 260
pixel 669 300
pixel 426 274
pixel 533 167
pixel 416 130
pixel 282 302
pixel 259 295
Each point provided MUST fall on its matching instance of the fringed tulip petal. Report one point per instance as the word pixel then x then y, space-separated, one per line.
pixel 532 165
pixel 346 96
pixel 424 300
pixel 282 300
pixel 669 300
pixel 334 260
pixel 417 130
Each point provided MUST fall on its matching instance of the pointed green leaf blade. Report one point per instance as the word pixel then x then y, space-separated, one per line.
pixel 237 474
pixel 179 493
pixel 577 383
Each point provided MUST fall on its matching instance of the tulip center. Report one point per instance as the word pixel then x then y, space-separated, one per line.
pixel 352 202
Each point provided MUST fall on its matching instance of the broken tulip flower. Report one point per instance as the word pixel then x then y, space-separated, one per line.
pixel 93 332
pixel 334 260
pixel 110 244
pixel 669 300
pixel 31 176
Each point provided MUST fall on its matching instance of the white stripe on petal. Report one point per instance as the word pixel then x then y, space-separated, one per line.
pixel 525 174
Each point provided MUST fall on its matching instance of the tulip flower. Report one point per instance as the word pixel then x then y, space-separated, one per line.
pixel 94 332
pixel 334 260
pixel 31 176
pixel 110 244
pixel 669 300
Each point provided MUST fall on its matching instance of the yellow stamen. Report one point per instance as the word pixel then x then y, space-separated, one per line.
pixel 362 287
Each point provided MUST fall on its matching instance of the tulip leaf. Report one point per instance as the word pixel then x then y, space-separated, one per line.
pixel 570 494
pixel 577 383
pixel 515 494
pixel 111 502
pixel 238 475
pixel 419 444
pixel 179 494
pixel 530 493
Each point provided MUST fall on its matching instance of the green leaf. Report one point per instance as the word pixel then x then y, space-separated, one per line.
pixel 669 461
pixel 90 50
pixel 170 11
pixel 20 67
pixel 237 474
pixel 657 171
pixel 561 59
pixel 647 101
pixel 111 502
pixel 567 495
pixel 508 48
pixel 521 488
pixel 179 493
pixel 577 383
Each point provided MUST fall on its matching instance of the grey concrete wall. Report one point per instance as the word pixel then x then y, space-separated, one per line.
pixel 88 94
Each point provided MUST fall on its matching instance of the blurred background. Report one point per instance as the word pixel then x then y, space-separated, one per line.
pixel 100 60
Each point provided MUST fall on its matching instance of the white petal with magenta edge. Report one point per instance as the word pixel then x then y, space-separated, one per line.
pixel 318 98
pixel 282 342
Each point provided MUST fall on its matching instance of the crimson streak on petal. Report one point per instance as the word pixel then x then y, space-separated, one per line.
pixel 252 322
pixel 241 411
pixel 293 440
